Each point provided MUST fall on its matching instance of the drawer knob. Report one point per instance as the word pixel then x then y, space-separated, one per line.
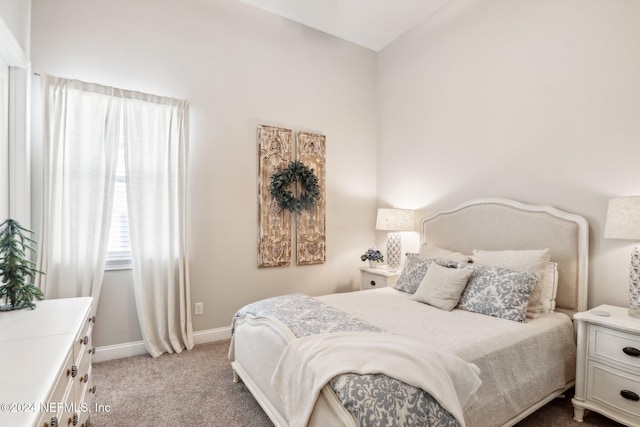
pixel 629 395
pixel 75 419
pixel 372 283
pixel 85 340
pixel 54 421
pixel 631 351
pixel 74 371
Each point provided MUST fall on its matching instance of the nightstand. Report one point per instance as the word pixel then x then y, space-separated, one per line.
pixel 372 278
pixel 608 364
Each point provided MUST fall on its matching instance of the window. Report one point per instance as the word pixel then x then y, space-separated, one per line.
pixel 119 249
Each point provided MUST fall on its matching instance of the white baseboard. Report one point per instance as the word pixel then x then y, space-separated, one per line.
pixel 118 351
pixel 212 335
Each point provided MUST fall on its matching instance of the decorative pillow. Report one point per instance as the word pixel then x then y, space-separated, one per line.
pixel 431 251
pixel 531 261
pixel 543 297
pixel 415 267
pixel 441 287
pixel 498 292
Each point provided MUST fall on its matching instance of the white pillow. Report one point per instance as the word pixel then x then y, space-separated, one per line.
pixel 531 261
pixel 543 296
pixel 441 287
pixel 415 267
pixel 431 251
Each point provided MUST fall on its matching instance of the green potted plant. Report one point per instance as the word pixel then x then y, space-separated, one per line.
pixel 373 255
pixel 16 268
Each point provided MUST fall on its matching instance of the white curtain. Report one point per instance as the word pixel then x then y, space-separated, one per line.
pixel 156 161
pixel 83 127
pixel 80 135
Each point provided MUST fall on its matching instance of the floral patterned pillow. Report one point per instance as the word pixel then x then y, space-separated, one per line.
pixel 414 270
pixel 498 292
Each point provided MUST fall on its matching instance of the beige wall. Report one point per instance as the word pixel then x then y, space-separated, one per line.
pixel 238 67
pixel 533 100
pixel 536 100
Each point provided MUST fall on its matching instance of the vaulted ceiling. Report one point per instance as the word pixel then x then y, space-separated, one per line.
pixel 369 23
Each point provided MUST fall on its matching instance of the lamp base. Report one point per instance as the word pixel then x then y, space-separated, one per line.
pixel 394 250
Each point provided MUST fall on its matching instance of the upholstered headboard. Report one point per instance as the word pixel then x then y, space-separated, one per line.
pixel 498 224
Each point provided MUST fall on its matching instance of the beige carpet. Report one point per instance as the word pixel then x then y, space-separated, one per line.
pixel 195 388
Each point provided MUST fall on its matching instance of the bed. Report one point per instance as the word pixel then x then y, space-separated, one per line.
pixel 521 365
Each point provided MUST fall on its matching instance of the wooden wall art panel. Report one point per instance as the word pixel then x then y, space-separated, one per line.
pixel 310 224
pixel 274 224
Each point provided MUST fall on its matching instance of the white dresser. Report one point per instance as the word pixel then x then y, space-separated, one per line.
pixel 608 364
pixel 46 358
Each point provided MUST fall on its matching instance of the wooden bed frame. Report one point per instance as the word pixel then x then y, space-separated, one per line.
pixel 489 223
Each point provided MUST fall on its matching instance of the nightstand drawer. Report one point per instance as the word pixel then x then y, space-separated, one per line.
pixel 615 388
pixel 374 278
pixel 616 346
pixel 372 281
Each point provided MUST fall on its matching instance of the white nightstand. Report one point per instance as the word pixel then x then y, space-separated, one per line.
pixel 372 278
pixel 608 365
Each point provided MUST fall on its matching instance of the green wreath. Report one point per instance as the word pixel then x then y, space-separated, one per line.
pixel 295 171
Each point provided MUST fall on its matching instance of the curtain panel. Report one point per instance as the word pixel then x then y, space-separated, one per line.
pixel 156 165
pixel 80 133
pixel 84 125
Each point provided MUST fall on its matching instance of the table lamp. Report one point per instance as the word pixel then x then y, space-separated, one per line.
pixel 623 222
pixel 394 220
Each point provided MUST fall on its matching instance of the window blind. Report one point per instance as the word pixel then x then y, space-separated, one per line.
pixel 119 249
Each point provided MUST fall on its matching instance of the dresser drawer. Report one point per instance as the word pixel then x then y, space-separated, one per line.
pixel 84 366
pixel 617 346
pixel 59 394
pixel 619 390
pixel 64 378
pixel 86 396
pixel 83 339
pixel 84 345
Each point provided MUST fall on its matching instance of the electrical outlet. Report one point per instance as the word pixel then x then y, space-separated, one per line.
pixel 199 308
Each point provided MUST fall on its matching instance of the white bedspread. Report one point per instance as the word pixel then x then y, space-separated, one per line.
pixel 309 363
pixel 520 363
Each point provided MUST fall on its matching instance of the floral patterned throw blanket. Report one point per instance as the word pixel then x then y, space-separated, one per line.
pixel 375 400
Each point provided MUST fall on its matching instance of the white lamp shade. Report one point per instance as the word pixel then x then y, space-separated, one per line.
pixel 394 220
pixel 623 219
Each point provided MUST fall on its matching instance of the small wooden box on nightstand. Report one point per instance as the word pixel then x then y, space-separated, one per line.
pixel 372 278
pixel 608 364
